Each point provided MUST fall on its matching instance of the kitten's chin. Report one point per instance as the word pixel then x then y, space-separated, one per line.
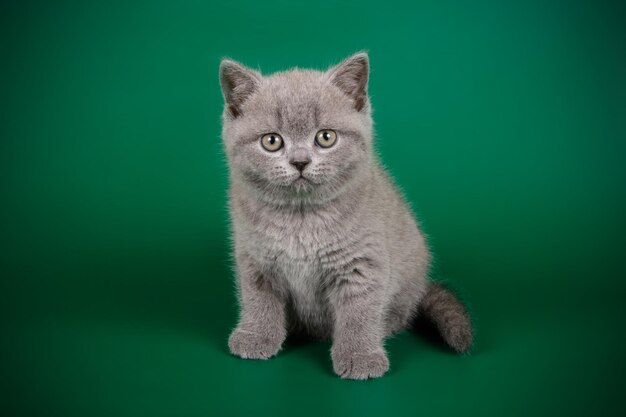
pixel 297 192
pixel 302 185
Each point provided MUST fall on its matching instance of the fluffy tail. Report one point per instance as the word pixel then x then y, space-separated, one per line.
pixel 449 316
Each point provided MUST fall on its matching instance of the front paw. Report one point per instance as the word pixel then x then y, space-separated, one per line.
pixel 251 345
pixel 350 364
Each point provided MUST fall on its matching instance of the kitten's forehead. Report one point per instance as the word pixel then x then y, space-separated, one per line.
pixel 297 100
pixel 295 82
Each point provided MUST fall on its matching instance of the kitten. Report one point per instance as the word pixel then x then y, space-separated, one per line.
pixel 323 241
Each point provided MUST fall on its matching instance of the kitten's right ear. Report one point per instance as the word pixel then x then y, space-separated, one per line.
pixel 238 83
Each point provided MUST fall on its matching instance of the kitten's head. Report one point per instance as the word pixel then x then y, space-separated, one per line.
pixel 299 136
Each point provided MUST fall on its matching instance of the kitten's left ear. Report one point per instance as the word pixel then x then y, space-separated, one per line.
pixel 351 77
pixel 238 83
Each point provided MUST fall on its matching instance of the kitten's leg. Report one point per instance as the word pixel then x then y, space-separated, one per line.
pixel 357 351
pixel 261 329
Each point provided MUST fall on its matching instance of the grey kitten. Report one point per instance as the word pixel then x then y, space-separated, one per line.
pixel 323 241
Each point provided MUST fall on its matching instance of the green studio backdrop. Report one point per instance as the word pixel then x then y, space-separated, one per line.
pixel 502 121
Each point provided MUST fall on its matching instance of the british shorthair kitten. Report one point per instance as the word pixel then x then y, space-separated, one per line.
pixel 324 243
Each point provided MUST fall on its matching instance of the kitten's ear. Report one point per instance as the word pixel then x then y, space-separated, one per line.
pixel 351 77
pixel 238 83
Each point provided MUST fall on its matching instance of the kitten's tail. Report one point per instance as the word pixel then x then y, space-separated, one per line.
pixel 448 314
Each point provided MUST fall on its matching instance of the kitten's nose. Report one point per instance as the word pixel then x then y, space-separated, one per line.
pixel 300 165
pixel 300 159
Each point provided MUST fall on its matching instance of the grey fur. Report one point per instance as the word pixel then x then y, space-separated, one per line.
pixel 337 254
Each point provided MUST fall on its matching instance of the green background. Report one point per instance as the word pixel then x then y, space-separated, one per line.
pixel 503 122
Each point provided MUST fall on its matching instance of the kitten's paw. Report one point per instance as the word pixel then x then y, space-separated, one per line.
pixel 250 345
pixel 360 365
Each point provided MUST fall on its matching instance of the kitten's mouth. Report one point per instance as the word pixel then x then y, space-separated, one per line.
pixel 302 183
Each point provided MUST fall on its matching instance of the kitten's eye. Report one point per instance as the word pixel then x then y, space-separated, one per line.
pixel 326 138
pixel 272 142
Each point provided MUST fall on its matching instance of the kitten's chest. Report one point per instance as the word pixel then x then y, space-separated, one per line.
pixel 291 253
pixel 300 251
